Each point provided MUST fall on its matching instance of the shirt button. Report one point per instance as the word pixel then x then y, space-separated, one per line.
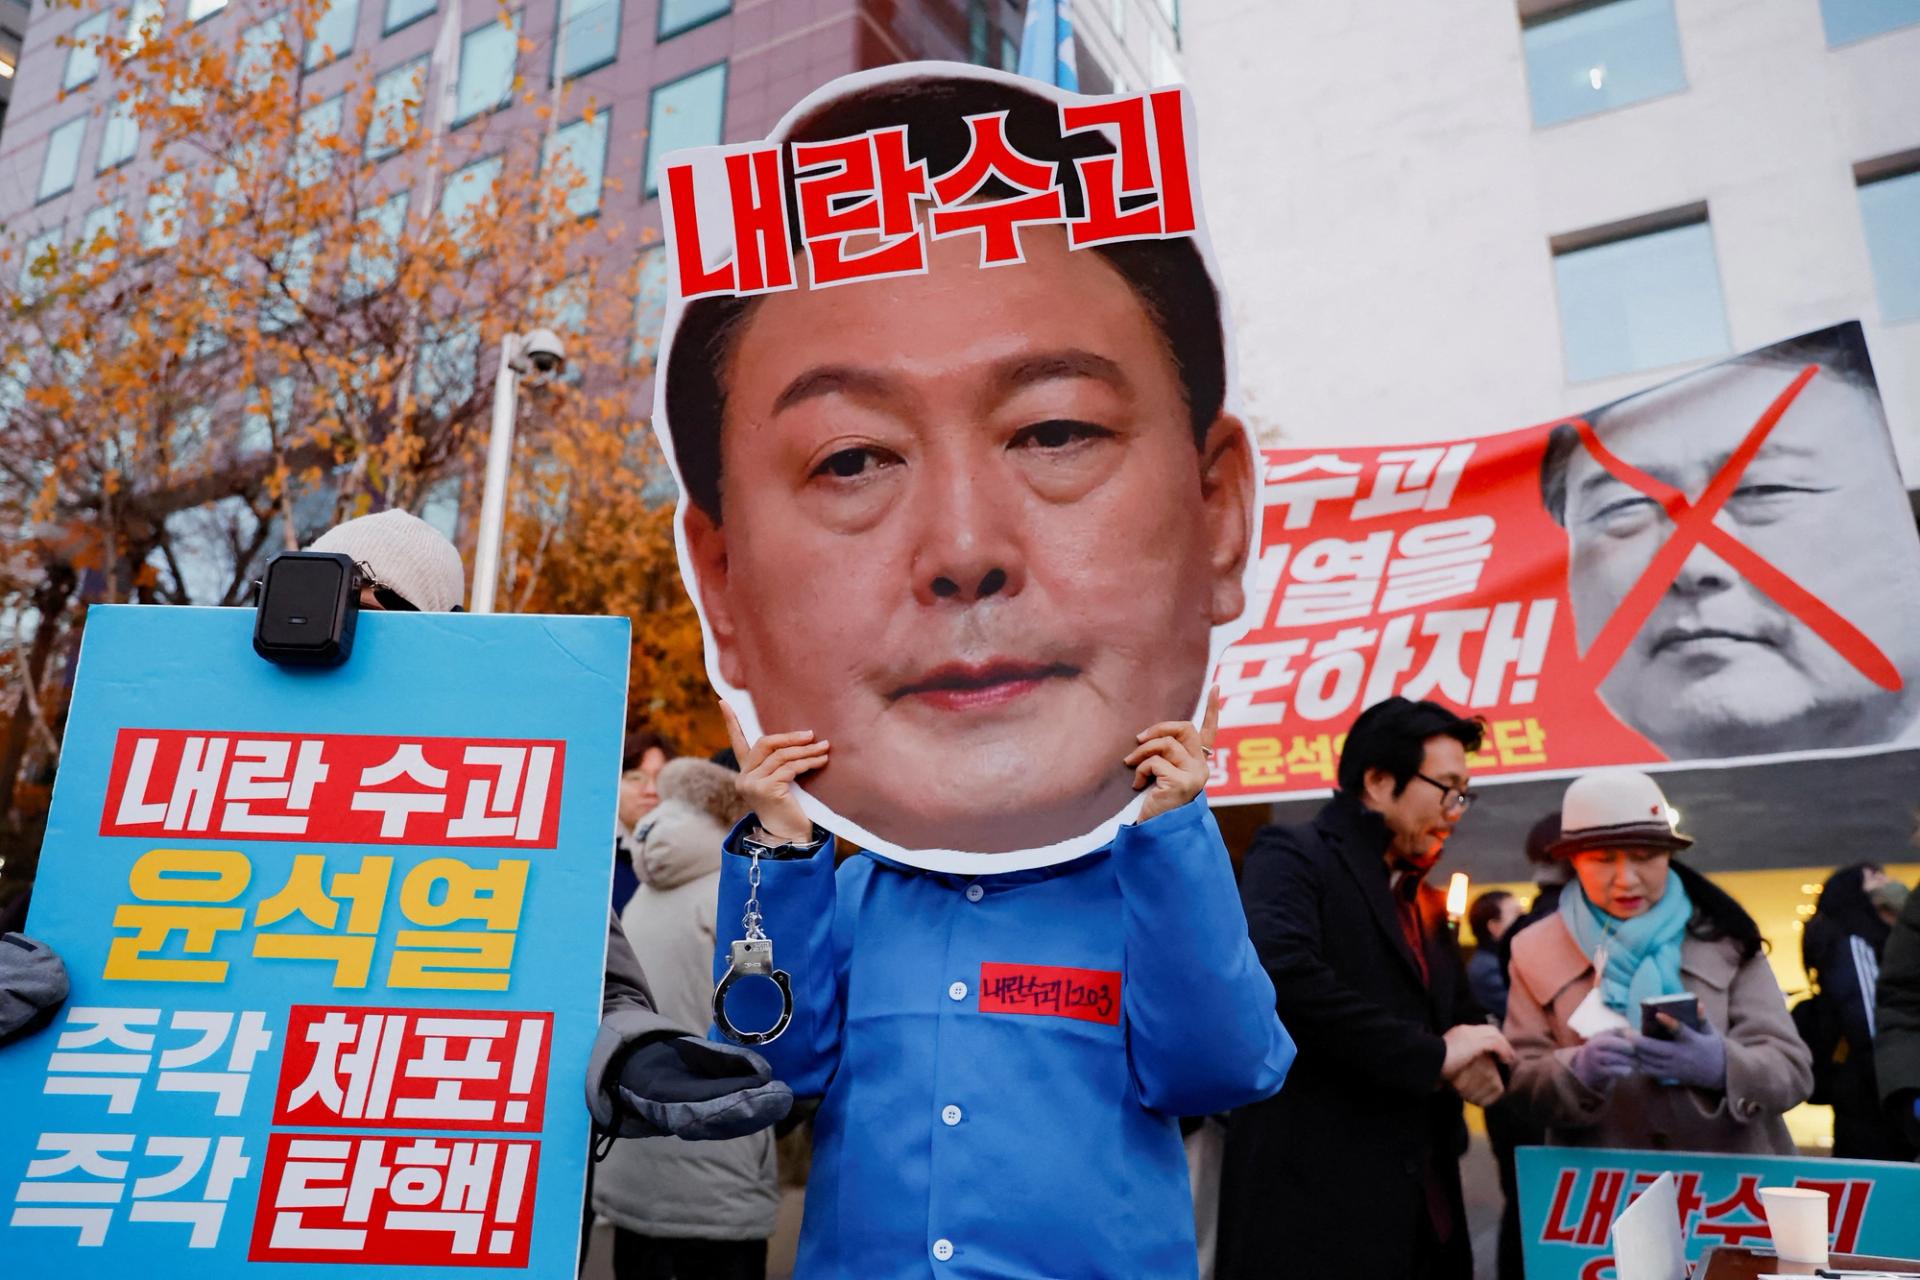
pixel 950 1114
pixel 958 991
pixel 975 893
pixel 942 1249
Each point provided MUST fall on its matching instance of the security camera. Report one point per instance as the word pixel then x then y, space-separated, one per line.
pixel 541 356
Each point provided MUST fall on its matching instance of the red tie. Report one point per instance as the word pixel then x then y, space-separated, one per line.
pixel 1406 892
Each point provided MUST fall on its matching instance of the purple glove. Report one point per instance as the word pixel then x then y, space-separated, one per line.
pixel 1602 1060
pixel 1697 1058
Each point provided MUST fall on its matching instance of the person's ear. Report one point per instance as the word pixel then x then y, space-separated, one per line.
pixel 1379 786
pixel 707 549
pixel 1226 498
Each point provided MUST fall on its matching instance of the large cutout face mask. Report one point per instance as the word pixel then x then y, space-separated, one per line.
pixel 945 393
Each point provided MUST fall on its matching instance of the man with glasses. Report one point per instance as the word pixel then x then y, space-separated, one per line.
pixel 1353 1168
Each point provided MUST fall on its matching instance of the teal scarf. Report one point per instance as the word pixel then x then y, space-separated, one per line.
pixel 1643 954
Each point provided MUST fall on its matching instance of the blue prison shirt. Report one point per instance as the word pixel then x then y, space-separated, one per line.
pixel 983 1114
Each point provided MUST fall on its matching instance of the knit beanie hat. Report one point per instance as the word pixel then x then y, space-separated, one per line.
pixel 33 982
pixel 404 554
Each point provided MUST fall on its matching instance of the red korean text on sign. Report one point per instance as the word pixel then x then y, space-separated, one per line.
pixel 1090 995
pixel 860 191
pixel 341 788
pixel 1150 176
pixel 414 1068
pixel 399 1201
pixel 991 157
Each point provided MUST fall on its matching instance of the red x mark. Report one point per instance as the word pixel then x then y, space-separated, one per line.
pixel 1693 526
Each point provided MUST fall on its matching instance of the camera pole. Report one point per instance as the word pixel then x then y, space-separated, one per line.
pixel 493 500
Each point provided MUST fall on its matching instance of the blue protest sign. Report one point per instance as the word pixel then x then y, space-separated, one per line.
pixel 1569 1197
pixel 336 940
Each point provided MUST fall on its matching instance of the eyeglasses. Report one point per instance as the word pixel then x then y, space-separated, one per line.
pixel 1453 799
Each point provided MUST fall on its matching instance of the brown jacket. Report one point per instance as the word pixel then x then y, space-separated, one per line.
pixel 1768 1069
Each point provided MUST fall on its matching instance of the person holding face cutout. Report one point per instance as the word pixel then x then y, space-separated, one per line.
pixel 1004 1057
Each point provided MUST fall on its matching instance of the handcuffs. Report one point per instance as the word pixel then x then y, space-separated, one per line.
pixel 752 956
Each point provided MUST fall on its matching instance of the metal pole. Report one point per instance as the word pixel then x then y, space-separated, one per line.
pixel 493 500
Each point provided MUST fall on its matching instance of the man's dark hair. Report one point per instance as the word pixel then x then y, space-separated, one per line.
pixel 1840 351
pixel 1484 911
pixel 1392 735
pixel 1169 277
pixel 639 741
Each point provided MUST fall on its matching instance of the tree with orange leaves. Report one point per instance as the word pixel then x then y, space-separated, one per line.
pixel 283 312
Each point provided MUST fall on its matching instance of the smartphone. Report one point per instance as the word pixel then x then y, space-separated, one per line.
pixel 1684 1008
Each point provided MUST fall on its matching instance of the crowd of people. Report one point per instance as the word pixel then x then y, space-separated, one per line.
pixel 1340 1036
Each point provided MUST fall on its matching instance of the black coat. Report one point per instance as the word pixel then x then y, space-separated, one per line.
pixel 1329 1177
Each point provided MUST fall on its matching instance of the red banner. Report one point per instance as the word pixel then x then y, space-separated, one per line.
pixel 1719 569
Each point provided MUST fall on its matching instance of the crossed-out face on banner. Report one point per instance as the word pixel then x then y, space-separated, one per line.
pixel 945 392
pixel 1721 569
pixel 1730 660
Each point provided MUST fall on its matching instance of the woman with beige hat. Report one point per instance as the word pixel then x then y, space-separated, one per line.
pixel 1635 925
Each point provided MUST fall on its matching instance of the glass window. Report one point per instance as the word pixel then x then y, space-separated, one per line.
pixel 649 309
pixel 1641 303
pixel 100 231
pixel 1891 209
pixel 120 139
pixel 581 149
pixel 313 145
pixel 686 113
pixel 166 207
pixel 397 98
pixel 198 9
pixel 487 55
pixel 83 59
pixel 592 37
pixel 1603 57
pixel 254 69
pixel 461 203
pixel 33 285
pixel 684 15
pixel 1850 20
pixel 143 18
pixel 62 163
pixel 288 294
pixel 333 33
pixel 446 367
pixel 402 12
pixel 374 259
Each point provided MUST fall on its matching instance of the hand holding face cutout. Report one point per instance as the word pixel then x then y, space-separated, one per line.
pixel 1172 757
pixel 767 772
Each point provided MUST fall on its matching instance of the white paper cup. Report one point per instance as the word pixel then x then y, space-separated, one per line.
pixel 1797 1217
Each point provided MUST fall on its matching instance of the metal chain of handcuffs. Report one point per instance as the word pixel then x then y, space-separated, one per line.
pixel 752 957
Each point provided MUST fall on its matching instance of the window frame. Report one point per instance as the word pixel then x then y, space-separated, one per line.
pixel 554 74
pixel 1642 227
pixel 1871 174
pixel 603 120
pixel 661 33
pixel 518 24
pixel 1826 30
pixel 121 112
pixel 648 191
pixel 312 48
pixel 1560 12
pixel 388 26
pixel 327 159
pixel 99 20
pixel 425 62
pixel 42 195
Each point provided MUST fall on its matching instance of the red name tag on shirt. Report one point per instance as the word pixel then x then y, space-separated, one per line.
pixel 1092 995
